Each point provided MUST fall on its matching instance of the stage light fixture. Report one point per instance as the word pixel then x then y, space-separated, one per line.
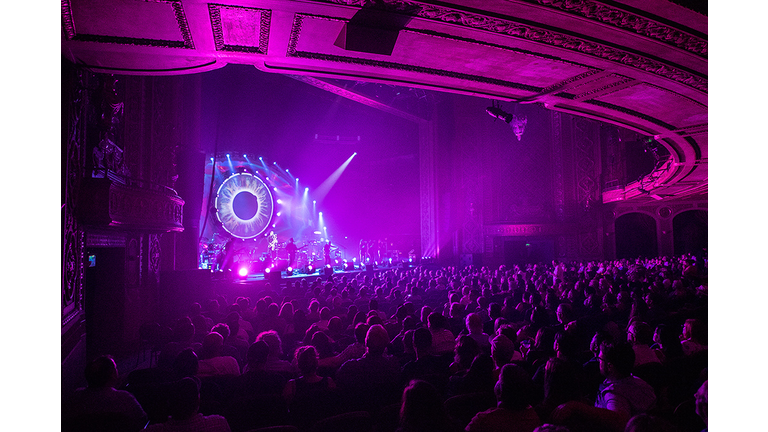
pixel 518 123
pixel 289 271
pixel 243 271
pixel 267 270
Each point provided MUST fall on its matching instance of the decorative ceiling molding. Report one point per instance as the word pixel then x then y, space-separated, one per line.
pixel 509 27
pixel 71 33
pixel 619 18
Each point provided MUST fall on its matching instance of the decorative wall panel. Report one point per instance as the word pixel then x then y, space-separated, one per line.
pixel 240 29
pixel 73 167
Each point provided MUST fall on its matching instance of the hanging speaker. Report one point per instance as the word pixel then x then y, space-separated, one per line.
pixel 372 30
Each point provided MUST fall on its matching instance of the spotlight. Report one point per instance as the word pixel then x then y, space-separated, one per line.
pixel 498 113
pixel 306 189
pixel 267 271
pixel 289 271
pixel 243 271
pixel 310 269
pixel 227 156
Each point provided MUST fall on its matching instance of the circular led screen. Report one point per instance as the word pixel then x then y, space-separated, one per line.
pixel 244 205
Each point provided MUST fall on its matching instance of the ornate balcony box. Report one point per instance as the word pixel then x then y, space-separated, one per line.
pixel 130 205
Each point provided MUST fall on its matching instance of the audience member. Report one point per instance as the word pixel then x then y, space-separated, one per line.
pixel 694 338
pixel 310 396
pixel 422 409
pixel 274 362
pixel 100 404
pixel 184 403
pixel 621 395
pixel 514 412
pixel 372 381
pixel 256 380
pixel 211 362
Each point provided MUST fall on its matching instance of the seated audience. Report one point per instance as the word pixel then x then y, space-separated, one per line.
pixel 183 404
pixel 256 380
pixel 443 341
pixel 640 335
pixel 372 381
pixel 211 362
pixel 100 404
pixel 422 410
pixel 514 412
pixel 620 397
pixel 309 397
pixel 694 338
pixel 275 363
pixel 474 328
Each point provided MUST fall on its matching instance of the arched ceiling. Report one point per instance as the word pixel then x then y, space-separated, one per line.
pixel 639 64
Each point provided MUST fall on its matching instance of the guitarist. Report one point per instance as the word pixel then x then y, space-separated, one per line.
pixel 291 248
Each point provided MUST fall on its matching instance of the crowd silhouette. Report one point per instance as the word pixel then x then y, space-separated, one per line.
pixel 617 345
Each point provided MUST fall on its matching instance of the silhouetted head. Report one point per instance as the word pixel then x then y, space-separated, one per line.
pixel 212 344
pixel 186 363
pixel 616 359
pixel 306 359
pixel 101 372
pixel 257 353
pixel 422 408
pixel 513 390
pixel 273 340
pixel 377 339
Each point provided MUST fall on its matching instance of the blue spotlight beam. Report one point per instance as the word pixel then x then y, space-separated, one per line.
pixel 328 183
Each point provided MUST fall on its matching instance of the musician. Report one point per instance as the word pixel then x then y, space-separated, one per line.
pixel 226 258
pixel 272 246
pixel 291 248
pixel 363 251
pixel 327 253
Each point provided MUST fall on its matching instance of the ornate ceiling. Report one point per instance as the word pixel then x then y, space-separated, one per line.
pixel 639 64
